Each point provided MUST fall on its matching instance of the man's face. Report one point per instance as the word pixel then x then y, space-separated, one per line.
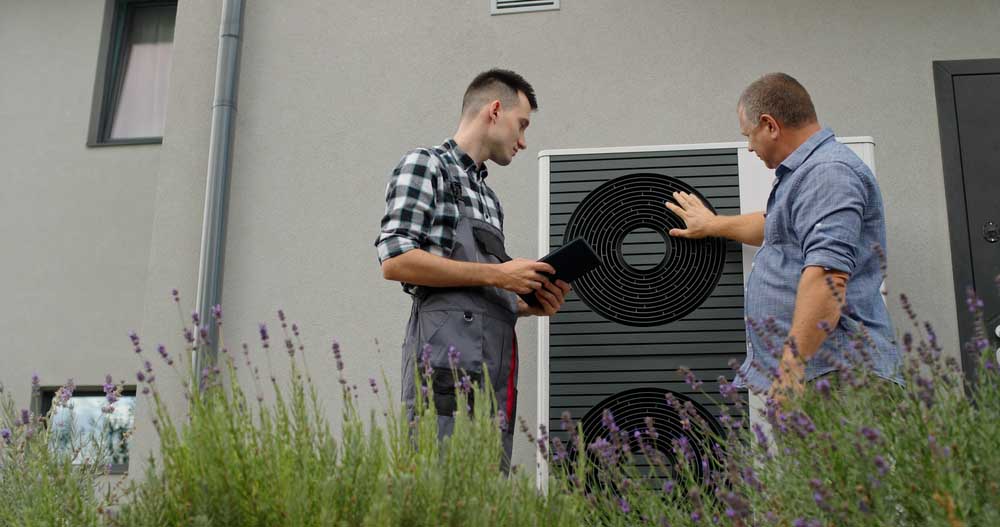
pixel 507 133
pixel 762 137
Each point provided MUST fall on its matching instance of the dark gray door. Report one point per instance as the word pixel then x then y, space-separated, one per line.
pixel 969 110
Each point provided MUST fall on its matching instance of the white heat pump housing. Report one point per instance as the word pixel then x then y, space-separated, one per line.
pixel 567 178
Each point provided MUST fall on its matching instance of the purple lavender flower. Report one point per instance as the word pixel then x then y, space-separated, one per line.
pixel 650 429
pixel 823 387
pixel 371 382
pixel 465 384
pixel 726 389
pixel 425 359
pixel 566 420
pixel 926 390
pixel 609 421
pixel 974 303
pixel 690 378
pixel 605 450
pixel 881 465
pixel 140 376
pixel 758 430
pixel 263 334
pixel 195 318
pixel 871 434
pixel 623 505
pixel 803 424
pixel 217 313
pixel 176 295
pixel 668 486
pixel 453 356
pixel 337 358
pixel 25 417
pixel 281 315
pixel 541 446
pixel 696 516
pixel 5 434
pixel 148 366
pixel 558 450
pixel 34 380
pixel 683 446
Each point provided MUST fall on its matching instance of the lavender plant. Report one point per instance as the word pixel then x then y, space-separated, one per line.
pixel 270 458
pixel 854 450
pixel 51 473
pixel 255 449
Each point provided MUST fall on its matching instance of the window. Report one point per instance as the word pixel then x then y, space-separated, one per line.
pixel 130 90
pixel 86 423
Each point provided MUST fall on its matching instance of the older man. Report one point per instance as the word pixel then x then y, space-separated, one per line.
pixel 820 240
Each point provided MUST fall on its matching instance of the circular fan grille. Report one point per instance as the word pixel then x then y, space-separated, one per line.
pixel 643 295
pixel 629 410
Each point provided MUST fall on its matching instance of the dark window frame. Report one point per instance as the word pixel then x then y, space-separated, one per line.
pixel 41 403
pixel 109 76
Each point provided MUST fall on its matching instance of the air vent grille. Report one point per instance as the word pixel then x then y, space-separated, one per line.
pixel 625 289
pixel 502 7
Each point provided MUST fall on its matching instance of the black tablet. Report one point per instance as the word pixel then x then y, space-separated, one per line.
pixel 571 261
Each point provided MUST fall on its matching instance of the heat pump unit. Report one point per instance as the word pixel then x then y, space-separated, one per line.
pixel 657 303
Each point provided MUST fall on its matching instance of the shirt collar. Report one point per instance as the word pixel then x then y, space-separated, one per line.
pixel 799 156
pixel 467 163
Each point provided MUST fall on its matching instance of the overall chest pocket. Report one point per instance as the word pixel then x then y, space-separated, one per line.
pixel 490 244
pixel 447 329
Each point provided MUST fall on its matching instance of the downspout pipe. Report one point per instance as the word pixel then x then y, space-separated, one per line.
pixel 220 161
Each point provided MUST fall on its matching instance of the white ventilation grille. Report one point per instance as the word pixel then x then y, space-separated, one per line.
pixel 503 7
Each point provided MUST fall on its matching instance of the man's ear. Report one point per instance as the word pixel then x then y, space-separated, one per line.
pixel 494 110
pixel 773 128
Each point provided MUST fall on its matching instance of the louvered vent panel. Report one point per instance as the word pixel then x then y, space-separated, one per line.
pixel 631 342
pixel 500 7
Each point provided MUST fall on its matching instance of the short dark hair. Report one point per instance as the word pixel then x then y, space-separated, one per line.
pixel 780 96
pixel 497 84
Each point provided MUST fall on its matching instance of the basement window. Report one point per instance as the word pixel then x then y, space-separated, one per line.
pixel 89 427
pixel 133 73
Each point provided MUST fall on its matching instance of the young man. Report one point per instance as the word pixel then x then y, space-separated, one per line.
pixel 442 237
pixel 823 227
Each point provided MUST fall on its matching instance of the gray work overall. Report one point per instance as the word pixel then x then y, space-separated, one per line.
pixel 477 321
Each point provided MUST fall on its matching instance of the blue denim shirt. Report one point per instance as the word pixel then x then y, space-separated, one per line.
pixel 825 209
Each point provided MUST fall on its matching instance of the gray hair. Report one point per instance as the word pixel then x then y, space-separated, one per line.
pixel 780 96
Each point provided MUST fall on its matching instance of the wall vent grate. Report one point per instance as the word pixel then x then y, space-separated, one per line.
pixel 502 7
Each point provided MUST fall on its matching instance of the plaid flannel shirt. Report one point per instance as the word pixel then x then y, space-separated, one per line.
pixel 420 212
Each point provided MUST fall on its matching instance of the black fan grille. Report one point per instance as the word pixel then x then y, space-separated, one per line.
pixel 630 410
pixel 654 295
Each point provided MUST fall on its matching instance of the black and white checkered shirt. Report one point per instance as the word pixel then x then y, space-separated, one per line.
pixel 420 212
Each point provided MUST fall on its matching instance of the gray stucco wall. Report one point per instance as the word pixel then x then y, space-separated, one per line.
pixel 332 94
pixel 75 222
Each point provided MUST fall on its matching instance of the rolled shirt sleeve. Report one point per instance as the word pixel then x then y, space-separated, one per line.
pixel 410 199
pixel 827 213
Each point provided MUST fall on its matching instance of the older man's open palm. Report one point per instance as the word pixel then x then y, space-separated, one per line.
pixel 696 216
